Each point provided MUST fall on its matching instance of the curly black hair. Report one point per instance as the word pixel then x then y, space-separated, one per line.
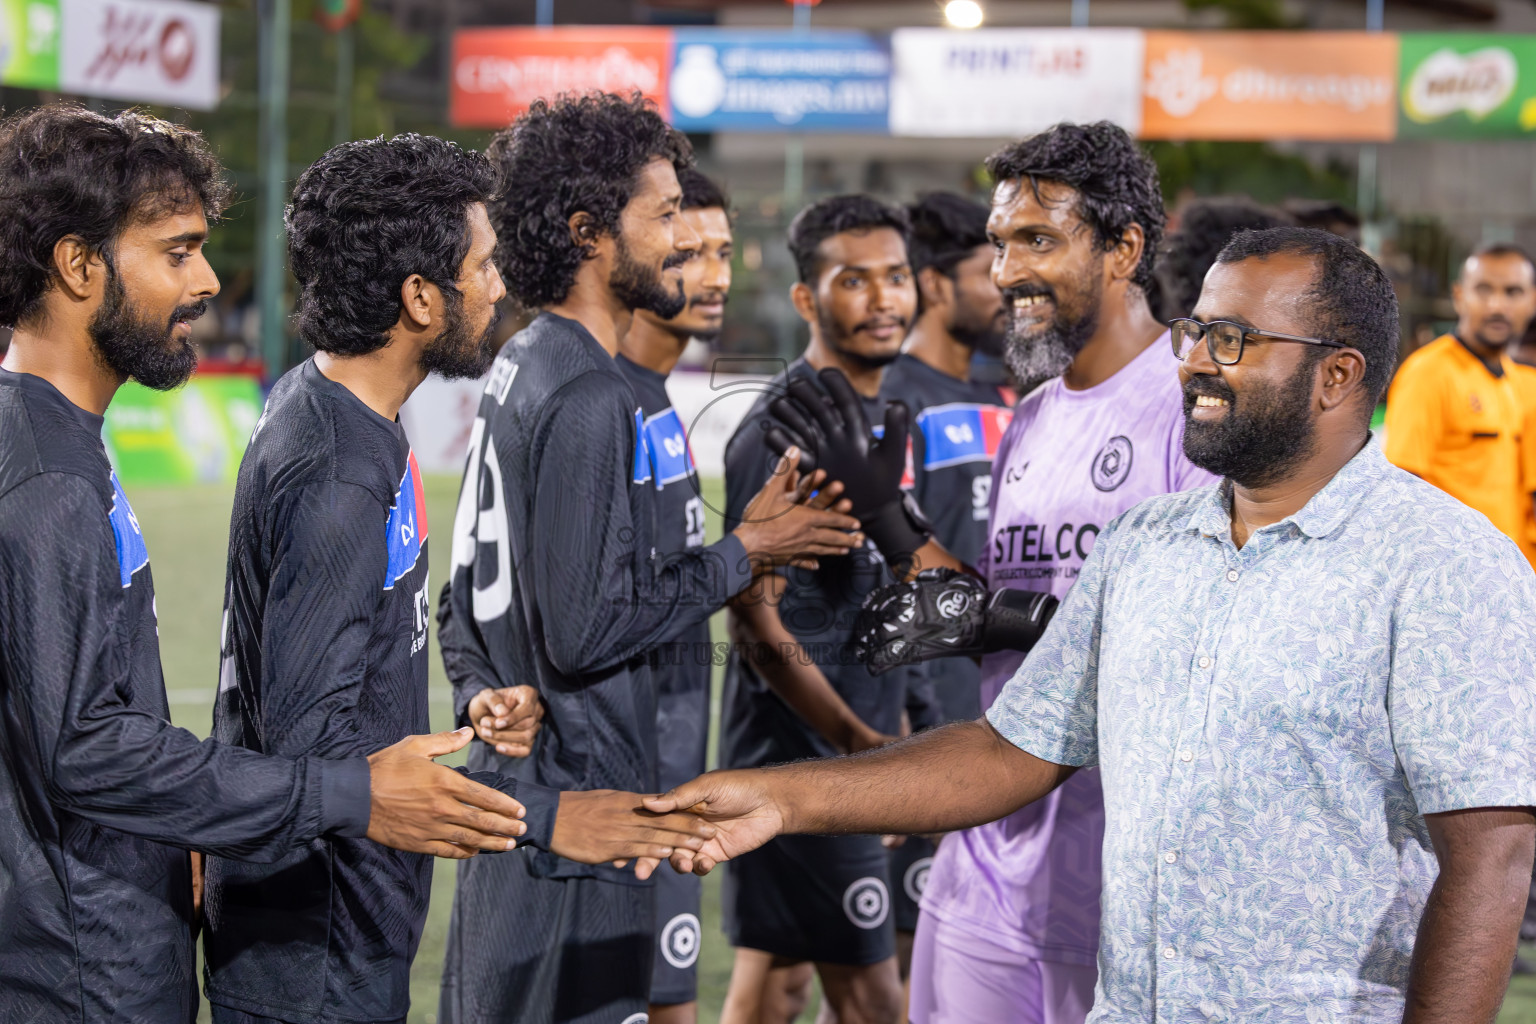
pixel 1114 181
pixel 1204 228
pixel 701 192
pixel 366 216
pixel 66 170
pixel 946 228
pixel 579 153
pixel 834 216
pixel 1351 300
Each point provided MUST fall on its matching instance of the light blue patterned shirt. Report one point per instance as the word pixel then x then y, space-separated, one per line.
pixel 1271 724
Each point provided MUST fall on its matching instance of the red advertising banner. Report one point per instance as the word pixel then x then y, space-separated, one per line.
pixel 498 72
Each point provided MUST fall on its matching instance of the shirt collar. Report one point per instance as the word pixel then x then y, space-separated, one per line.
pixel 1324 513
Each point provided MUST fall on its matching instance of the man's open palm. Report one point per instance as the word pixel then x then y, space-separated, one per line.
pixel 737 803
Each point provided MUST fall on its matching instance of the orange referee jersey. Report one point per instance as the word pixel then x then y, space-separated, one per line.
pixel 1452 422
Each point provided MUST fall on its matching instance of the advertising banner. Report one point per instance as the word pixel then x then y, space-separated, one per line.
pixel 498 72
pixel 1468 86
pixel 29 43
pixel 777 81
pixel 156 51
pixel 1011 82
pixel 1270 85
pixel 193 434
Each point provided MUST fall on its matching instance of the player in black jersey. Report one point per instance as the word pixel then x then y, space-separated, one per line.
pixel 956 426
pixel 102 224
pixel 792 688
pixel 557 580
pixel 647 354
pixel 327 602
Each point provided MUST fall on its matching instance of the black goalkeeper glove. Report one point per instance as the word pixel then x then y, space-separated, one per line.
pixel 943 613
pixel 828 425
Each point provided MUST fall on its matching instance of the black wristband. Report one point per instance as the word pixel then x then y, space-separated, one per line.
pixel 898 530
pixel 1015 619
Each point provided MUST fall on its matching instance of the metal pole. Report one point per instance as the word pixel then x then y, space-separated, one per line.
pixel 276 18
pixel 1365 177
pixel 794 147
pixel 802 20
pixel 544 13
pixel 346 57
pixel 1080 13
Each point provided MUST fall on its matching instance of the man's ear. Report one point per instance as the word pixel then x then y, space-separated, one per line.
pixel 1343 377
pixel 585 233
pixel 935 288
pixel 804 301
pixel 1456 296
pixel 420 302
pixel 79 270
pixel 1125 255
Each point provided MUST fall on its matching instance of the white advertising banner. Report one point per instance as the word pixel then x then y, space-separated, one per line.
pixel 152 51
pixel 991 83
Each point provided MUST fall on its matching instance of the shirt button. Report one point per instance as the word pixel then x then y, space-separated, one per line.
pixel 1231 575
pixel 1186 755
pixel 1205 662
pixel 1170 857
pixel 1169 952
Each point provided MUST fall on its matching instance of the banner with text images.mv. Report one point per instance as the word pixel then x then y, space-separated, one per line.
pixel 1005 83
pixel 776 81
pixel 148 51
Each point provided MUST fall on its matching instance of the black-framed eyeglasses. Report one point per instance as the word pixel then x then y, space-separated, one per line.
pixel 1224 339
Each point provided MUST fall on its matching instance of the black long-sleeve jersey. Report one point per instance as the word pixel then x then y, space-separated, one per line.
pixel 818 608
pixel 681 666
pixel 100 796
pixel 956 428
pixel 326 617
pixel 557 581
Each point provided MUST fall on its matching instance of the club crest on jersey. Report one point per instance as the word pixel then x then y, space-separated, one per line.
pixel 680 941
pixel 132 555
pixel 866 902
pixel 1113 463
pixel 666 445
pixel 961 432
pixel 406 527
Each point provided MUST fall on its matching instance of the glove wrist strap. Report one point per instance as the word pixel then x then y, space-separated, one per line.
pixel 1015 619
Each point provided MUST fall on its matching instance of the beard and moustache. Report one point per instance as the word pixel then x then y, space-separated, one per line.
pixel 839 339
pixel 989 337
pixel 455 353
pixel 1034 358
pixel 134 344
pixel 1262 436
pixel 641 287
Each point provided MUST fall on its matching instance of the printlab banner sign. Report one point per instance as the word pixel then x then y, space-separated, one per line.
pixel 1010 82
pixel 780 81
pixel 1468 86
pixel 499 72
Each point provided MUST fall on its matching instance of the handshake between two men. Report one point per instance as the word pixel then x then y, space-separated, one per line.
pixel 942 611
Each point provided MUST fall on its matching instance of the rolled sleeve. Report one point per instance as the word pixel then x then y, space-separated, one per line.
pixel 1463 687
pixel 1050 708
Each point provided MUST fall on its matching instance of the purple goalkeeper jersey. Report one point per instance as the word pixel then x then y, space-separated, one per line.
pixel 1028 885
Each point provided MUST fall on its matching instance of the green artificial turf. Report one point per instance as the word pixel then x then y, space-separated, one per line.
pixel 187 528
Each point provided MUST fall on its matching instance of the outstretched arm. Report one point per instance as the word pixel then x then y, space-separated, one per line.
pixel 951 778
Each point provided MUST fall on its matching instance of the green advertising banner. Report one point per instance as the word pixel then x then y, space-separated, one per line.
pixel 29 43
pixel 1467 86
pixel 196 433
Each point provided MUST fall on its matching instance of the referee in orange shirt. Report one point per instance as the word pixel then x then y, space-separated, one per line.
pixel 1461 414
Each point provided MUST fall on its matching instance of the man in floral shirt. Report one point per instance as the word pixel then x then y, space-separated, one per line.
pixel 1308 689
